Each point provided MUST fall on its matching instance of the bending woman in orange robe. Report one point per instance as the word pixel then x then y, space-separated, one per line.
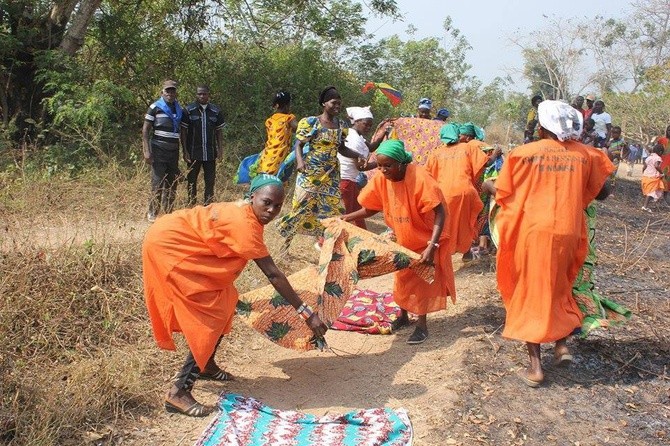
pixel 191 259
pixel 457 165
pixel 414 209
pixel 543 189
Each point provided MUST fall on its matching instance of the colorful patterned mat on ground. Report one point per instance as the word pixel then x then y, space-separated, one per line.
pixel 368 312
pixel 245 421
pixel 348 254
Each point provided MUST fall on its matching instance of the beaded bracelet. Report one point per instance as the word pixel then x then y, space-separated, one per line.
pixel 431 243
pixel 306 313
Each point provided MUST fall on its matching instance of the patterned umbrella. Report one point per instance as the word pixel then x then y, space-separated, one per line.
pixel 393 95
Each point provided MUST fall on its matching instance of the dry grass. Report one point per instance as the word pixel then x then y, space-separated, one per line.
pixel 74 340
pixel 75 346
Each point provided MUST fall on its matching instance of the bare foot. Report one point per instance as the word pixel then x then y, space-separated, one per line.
pixel 532 377
pixel 562 356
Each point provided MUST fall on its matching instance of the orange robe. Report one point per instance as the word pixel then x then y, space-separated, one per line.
pixel 457 169
pixel 408 207
pixel 190 260
pixel 543 189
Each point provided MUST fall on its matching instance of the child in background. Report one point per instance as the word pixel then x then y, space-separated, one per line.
pixel 616 150
pixel 589 133
pixel 652 177
pixel 280 127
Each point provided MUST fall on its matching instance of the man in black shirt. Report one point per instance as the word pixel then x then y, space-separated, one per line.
pixel 161 149
pixel 202 142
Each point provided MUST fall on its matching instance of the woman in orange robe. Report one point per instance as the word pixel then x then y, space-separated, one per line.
pixel 414 209
pixel 190 260
pixel 543 189
pixel 457 166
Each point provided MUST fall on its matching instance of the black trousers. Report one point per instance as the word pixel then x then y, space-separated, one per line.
pixel 164 174
pixel 209 169
pixel 190 371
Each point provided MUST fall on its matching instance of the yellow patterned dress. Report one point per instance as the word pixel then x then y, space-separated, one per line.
pixel 317 189
pixel 278 128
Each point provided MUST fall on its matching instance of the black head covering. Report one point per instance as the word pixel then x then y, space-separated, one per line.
pixel 329 93
pixel 281 98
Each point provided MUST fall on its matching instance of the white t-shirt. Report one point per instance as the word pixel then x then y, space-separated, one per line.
pixel 348 169
pixel 601 119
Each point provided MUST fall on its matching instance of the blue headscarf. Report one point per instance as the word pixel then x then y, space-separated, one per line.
pixel 443 113
pixel 176 117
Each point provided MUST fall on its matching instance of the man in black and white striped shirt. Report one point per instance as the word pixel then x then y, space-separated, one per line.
pixel 161 149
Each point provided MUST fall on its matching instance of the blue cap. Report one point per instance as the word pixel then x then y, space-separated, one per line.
pixel 443 113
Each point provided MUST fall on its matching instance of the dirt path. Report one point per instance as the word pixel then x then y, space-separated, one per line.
pixel 361 371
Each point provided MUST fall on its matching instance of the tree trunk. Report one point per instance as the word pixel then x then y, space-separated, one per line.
pixel 61 11
pixel 74 36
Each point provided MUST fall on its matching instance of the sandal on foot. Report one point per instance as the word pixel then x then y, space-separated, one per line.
pixel 196 410
pixel 527 381
pixel 563 361
pixel 220 375
pixel 418 336
pixel 399 323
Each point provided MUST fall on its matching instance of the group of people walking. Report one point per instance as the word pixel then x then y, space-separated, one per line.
pixel 538 196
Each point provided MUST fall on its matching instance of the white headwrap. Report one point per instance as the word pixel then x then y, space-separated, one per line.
pixel 561 119
pixel 356 113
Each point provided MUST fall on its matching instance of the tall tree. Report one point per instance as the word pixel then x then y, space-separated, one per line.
pixel 28 28
pixel 624 49
pixel 553 59
pixel 32 30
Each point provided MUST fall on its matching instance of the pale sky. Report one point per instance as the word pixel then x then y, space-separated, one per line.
pixel 488 26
